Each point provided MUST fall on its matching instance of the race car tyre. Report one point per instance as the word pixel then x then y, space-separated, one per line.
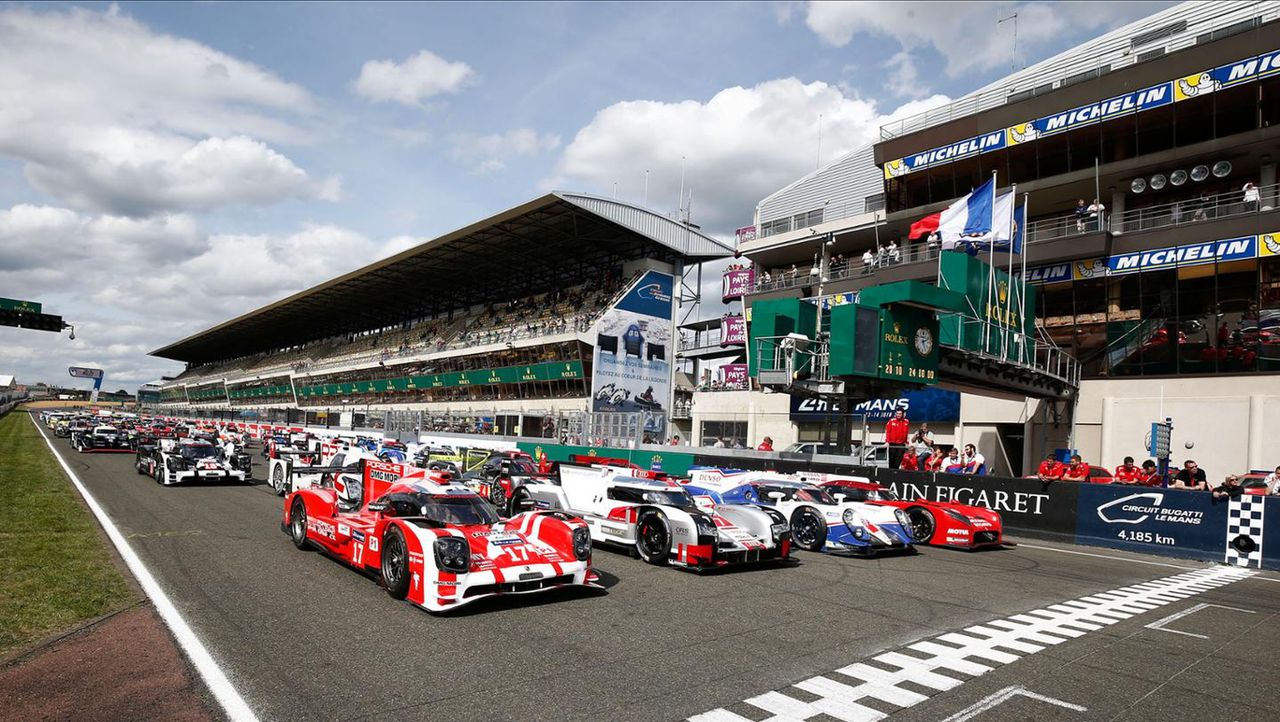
pixel 922 524
pixel 653 539
pixel 520 502
pixel 298 524
pixel 395 564
pixel 277 480
pixel 498 498
pixel 808 530
pixel 159 473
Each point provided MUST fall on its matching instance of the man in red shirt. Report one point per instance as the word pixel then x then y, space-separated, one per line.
pixel 1128 472
pixel 766 445
pixel 895 437
pixel 1150 475
pixel 1050 469
pixel 1077 470
pixel 910 462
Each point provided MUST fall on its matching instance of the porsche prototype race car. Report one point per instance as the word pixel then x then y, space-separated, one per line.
pixel 106 439
pixel 659 519
pixel 818 521
pixel 937 523
pixel 439 545
pixel 174 462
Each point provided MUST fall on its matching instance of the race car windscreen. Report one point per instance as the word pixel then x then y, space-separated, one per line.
pixel 457 510
pixel 792 493
pixel 521 467
pixel 199 452
pixel 853 493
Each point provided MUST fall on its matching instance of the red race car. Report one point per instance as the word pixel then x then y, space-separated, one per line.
pixel 437 544
pixel 937 523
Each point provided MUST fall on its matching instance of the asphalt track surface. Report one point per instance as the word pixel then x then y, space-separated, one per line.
pixel 304 637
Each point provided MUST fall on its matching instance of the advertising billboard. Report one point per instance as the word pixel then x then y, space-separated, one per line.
pixel 632 367
pixel 733 330
pixel 737 282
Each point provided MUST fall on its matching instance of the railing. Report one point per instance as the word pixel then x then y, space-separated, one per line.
pixel 1194 210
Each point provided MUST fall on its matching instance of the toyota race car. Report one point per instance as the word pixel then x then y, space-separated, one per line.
pixel 438 544
pixel 658 518
pixel 818 521
pixel 938 523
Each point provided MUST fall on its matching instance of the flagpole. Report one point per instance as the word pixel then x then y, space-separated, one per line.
pixel 991 266
pixel 1008 307
pixel 1026 238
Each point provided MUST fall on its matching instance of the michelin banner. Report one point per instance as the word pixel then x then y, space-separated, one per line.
pixel 1172 91
pixel 1195 254
pixel 633 354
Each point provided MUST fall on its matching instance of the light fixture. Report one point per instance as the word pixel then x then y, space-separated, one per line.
pixel 1157 181
pixel 1178 177
pixel 1222 169
pixel 1199 173
pixel 1138 185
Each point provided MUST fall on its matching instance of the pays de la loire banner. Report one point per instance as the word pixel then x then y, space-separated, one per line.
pixel 734 376
pixel 736 283
pixel 633 355
pixel 733 330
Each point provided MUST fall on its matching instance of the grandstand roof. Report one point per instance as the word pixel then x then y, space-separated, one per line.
pixel 552 241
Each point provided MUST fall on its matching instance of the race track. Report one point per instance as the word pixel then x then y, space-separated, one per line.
pixel 304 637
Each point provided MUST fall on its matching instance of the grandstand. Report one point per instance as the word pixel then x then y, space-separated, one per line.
pixel 502 313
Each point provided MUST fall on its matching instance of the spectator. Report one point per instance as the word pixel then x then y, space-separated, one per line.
pixel 1096 211
pixel 895 437
pixel 935 460
pixel 1202 207
pixel 910 462
pixel 882 256
pixel 974 461
pixel 1273 481
pixel 675 440
pixel 1077 470
pixel 792 273
pixel 766 445
pixel 1150 475
pixel 1128 472
pixel 922 443
pixel 894 255
pixel 867 260
pixel 717 443
pixel 1228 490
pixel 953 464
pixel 1051 469
pixel 1081 213
pixel 1190 477
pixel 737 444
pixel 1250 197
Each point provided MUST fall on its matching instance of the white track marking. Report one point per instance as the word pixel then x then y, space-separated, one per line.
pixel 1112 557
pixel 225 692
pixel 1005 695
pixel 1160 623
pixel 974 651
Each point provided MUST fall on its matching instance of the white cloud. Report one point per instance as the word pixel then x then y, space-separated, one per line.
pixel 966 34
pixel 419 77
pixel 740 145
pixel 109 115
pixel 903 79
pixel 164 279
pixel 488 153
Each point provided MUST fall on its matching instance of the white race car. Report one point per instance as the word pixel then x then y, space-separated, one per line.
pixel 659 519
pixel 176 462
pixel 819 521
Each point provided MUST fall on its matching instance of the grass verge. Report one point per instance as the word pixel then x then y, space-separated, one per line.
pixel 55 568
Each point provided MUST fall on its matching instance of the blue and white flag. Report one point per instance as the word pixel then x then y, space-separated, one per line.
pixel 978 220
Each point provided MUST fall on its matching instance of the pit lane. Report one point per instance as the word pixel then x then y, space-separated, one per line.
pixel 304 637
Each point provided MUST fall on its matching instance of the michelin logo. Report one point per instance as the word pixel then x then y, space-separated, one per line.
pixel 1023 133
pixel 1196 85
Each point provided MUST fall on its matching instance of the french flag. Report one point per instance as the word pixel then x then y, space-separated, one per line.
pixel 979 221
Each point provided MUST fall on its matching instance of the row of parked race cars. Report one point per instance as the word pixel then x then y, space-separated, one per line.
pixel 444 526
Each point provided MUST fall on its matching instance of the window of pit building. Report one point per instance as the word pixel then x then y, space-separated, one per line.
pixel 726 431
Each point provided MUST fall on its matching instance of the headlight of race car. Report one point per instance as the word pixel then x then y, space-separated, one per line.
pixel 581 543
pixel 903 519
pixel 859 532
pixel 849 518
pixel 706 528
pixel 452 554
pixel 956 515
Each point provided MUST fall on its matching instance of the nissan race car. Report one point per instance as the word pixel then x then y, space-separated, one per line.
pixel 938 523
pixel 173 462
pixel 818 521
pixel 438 544
pixel 107 439
pixel 658 518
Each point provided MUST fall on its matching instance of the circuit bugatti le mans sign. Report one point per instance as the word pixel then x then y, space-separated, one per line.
pixel 82 372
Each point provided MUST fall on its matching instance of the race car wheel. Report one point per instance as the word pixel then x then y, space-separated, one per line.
pixel 520 502
pixel 653 539
pixel 277 480
pixel 808 530
pixel 395 564
pixel 298 524
pixel 159 473
pixel 922 524
pixel 498 498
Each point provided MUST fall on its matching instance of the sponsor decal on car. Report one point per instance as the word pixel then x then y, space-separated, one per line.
pixel 344 530
pixel 321 527
pixel 618 531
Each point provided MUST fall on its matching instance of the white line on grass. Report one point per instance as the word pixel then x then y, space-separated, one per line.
pixel 225 692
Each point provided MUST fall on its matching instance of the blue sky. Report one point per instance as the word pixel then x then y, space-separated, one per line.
pixel 165 166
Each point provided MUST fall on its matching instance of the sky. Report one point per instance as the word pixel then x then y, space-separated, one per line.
pixel 167 166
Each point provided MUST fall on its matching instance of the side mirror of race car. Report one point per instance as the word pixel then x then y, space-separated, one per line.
pixel 840 497
pixel 777 495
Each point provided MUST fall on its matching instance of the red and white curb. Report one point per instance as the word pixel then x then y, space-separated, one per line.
pixel 970 653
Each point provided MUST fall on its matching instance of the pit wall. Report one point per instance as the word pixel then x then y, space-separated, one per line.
pixel 1165 522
